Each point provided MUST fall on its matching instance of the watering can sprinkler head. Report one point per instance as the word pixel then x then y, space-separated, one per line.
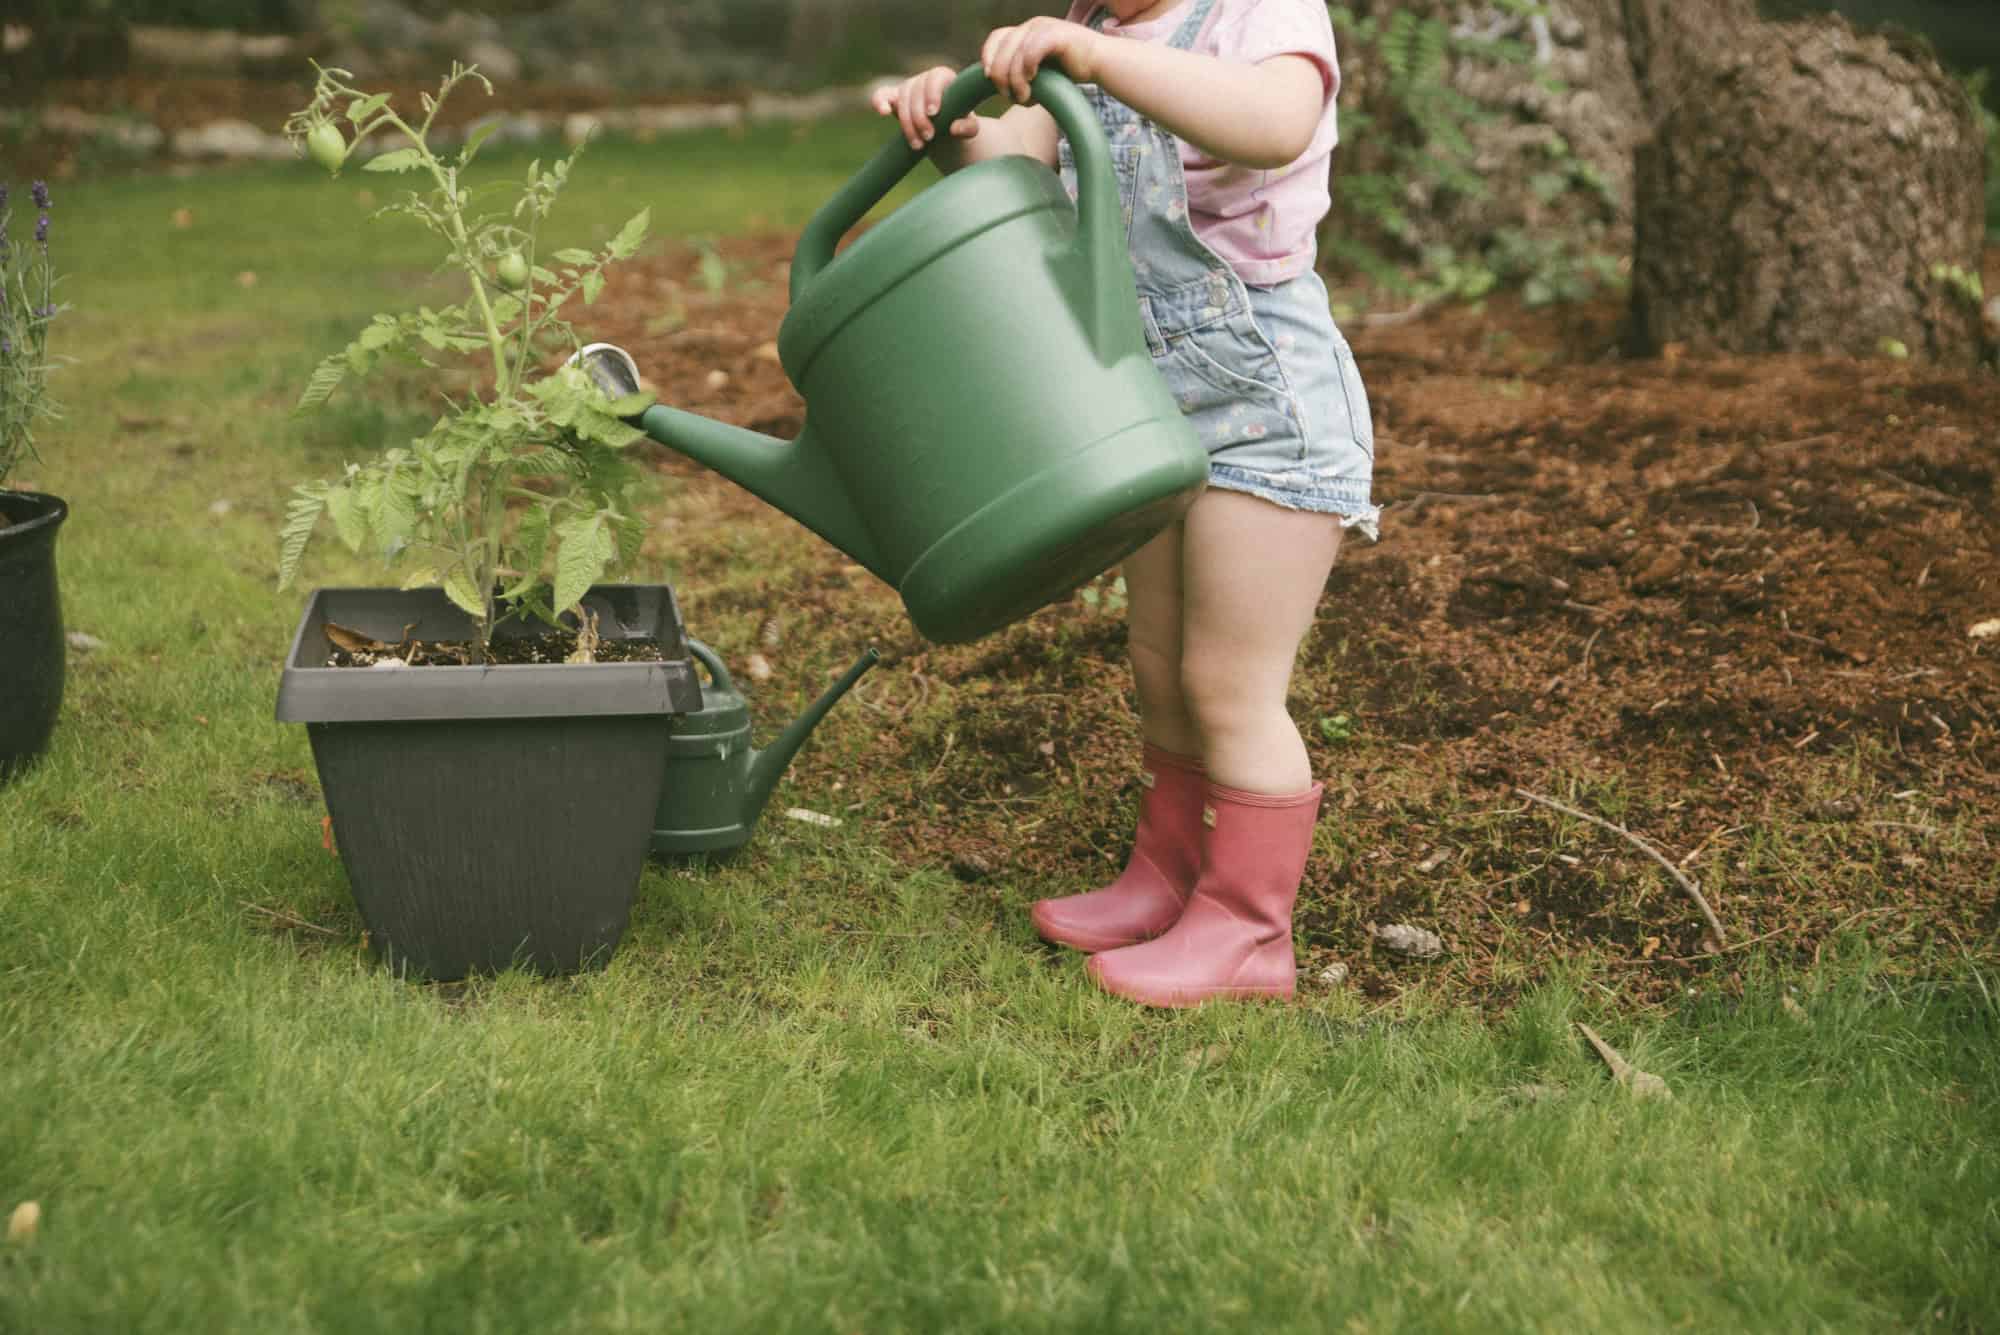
pixel 611 367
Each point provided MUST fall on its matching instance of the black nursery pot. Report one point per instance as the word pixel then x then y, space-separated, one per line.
pixel 489 816
pixel 31 631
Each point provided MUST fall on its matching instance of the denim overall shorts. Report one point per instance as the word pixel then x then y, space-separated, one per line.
pixel 1262 373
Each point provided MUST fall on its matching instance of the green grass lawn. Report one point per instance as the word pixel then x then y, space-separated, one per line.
pixel 815 1089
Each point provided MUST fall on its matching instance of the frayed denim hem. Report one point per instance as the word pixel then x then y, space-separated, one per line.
pixel 1299 491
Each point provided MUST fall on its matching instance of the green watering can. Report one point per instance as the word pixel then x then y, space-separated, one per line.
pixel 984 428
pixel 717 784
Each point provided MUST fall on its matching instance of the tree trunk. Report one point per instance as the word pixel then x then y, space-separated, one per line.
pixel 1800 184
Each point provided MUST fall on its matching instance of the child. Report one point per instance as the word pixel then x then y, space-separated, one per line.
pixel 1220 114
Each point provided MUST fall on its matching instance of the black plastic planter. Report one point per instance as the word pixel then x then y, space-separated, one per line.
pixel 489 816
pixel 31 631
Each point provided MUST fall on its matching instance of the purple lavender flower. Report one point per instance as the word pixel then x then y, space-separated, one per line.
pixel 6 346
pixel 40 191
pixel 42 231
pixel 3 197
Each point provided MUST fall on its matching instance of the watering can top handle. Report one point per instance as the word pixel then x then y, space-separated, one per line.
pixel 711 660
pixel 1100 222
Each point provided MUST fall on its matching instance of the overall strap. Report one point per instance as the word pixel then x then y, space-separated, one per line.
pixel 1183 39
pixel 1191 29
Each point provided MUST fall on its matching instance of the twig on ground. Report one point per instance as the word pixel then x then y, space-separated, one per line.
pixel 1417 498
pixel 1643 1084
pixel 1693 892
pixel 1720 830
pixel 290 920
pixel 950 740
pixel 1389 319
pixel 1920 489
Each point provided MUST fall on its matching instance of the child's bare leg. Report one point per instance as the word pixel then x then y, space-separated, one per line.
pixel 1252 574
pixel 1153 631
pixel 1147 896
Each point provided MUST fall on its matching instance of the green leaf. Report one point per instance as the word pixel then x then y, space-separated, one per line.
pixel 348 520
pixel 398 160
pixel 474 140
pixel 380 334
pixel 362 108
pixel 571 255
pixel 325 379
pixel 593 283
pixel 531 543
pixel 626 244
pixel 631 405
pixel 459 588
pixel 301 515
pixel 587 548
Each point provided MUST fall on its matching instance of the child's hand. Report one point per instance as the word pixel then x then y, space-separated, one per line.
pixel 915 101
pixel 1012 56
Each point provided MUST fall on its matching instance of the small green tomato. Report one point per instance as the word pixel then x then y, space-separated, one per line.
pixel 512 271
pixel 326 146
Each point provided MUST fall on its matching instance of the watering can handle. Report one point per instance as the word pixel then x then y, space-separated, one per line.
pixel 1100 218
pixel 711 660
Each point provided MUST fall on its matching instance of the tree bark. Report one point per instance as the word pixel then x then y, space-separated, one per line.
pixel 1798 187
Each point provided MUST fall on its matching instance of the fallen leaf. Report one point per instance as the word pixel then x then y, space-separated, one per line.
pixel 183 218
pixel 805 817
pixel 1333 975
pixel 1793 1009
pixel 25 1222
pixel 1643 1084
pixel 1985 630
pixel 1411 942
pixel 1652 946
pixel 1434 861
pixel 84 640
pixel 346 637
pixel 326 833
pixel 758 667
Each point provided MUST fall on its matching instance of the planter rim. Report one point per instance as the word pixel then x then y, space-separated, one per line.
pixel 52 510
pixel 311 693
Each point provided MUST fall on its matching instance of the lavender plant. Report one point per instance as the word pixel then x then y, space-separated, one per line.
pixel 27 309
pixel 515 501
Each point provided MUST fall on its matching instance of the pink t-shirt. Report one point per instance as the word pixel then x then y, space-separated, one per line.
pixel 1263 222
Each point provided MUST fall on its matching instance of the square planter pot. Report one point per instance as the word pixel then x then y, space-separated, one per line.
pixel 489 816
pixel 32 650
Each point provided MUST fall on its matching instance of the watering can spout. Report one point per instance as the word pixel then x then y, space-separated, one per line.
pixel 796 476
pixel 766 765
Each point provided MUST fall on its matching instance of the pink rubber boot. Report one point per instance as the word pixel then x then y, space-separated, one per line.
pixel 1166 857
pixel 1234 939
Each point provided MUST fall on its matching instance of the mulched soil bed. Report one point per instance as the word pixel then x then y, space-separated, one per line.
pixel 1729 597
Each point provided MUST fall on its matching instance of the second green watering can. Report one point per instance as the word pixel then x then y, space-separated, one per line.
pixel 984 427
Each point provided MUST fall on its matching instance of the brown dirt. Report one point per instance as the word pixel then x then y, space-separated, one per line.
pixel 1724 602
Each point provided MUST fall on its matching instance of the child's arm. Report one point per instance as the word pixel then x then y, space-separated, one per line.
pixel 1261 115
pixel 1025 130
